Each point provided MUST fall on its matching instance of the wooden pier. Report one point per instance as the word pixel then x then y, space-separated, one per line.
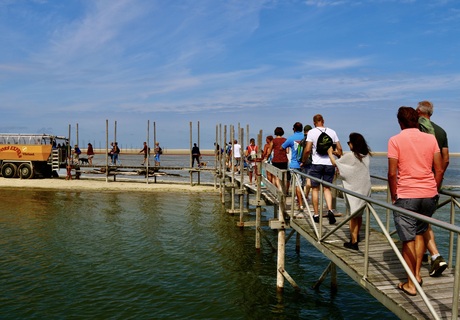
pixel 377 267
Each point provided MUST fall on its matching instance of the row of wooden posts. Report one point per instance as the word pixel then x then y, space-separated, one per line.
pixel 147 141
pixel 236 187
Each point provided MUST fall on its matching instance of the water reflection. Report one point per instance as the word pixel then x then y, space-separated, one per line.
pixel 143 255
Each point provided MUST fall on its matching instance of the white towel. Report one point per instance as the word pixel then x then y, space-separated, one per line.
pixel 356 177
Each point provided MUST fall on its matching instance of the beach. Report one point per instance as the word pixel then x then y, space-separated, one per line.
pixel 101 184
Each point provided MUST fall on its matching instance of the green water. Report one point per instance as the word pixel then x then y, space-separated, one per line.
pixel 125 255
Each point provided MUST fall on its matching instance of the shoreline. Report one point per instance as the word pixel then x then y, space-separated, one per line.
pixel 103 185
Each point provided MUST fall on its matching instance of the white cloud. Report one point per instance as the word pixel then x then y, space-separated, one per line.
pixel 336 64
pixel 325 3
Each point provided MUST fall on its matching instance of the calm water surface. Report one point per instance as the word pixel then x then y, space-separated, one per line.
pixel 107 255
pixel 125 255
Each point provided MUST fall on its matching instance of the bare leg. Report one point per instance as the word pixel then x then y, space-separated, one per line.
pixel 409 255
pixel 298 192
pixel 314 198
pixel 355 226
pixel 420 250
pixel 307 188
pixel 430 243
pixel 328 197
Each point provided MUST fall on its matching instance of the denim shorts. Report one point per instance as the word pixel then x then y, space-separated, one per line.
pixel 408 227
pixel 322 171
pixel 305 169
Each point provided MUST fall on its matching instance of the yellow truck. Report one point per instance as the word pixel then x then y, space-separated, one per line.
pixel 32 155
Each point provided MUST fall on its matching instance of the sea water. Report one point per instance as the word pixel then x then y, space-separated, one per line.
pixel 143 255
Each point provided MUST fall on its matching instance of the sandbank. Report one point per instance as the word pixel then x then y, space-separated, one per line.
pixel 103 185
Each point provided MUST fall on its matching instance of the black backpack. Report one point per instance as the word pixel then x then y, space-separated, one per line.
pixel 323 143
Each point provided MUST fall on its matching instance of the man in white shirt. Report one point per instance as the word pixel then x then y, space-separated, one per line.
pixel 322 167
pixel 236 154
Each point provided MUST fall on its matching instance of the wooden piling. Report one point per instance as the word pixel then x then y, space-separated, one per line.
pixel 258 193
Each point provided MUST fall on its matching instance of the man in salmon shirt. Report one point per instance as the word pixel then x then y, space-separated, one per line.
pixel 412 157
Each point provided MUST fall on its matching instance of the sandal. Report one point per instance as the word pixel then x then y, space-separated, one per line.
pixel 401 287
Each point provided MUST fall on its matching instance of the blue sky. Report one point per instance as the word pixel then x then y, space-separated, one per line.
pixel 262 63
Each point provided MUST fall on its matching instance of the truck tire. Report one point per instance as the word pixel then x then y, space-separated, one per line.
pixel 9 170
pixel 26 171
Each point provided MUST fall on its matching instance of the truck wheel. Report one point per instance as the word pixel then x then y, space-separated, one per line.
pixel 26 171
pixel 9 170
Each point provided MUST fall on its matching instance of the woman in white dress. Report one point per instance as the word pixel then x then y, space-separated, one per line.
pixel 353 168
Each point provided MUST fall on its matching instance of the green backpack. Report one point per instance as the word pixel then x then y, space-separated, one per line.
pixel 425 125
pixel 301 148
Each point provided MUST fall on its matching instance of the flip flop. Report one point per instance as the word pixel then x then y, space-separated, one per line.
pixel 401 287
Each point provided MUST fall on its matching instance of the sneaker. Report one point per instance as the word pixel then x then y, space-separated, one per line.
pixel 352 246
pixel 331 217
pixel 438 266
pixel 301 208
pixel 316 219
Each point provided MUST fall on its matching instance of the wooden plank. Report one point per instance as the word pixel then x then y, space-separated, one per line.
pixel 384 272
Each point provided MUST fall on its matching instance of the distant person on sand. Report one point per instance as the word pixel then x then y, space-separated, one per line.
pixel 158 152
pixel 90 154
pixel 68 167
pixel 116 152
pixel 196 155
pixel 111 152
pixel 76 154
pixel 145 150
pixel 412 157
pixel 354 170
pixel 425 111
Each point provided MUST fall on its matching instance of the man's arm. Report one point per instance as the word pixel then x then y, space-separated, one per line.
pixel 438 166
pixel 338 149
pixel 445 158
pixel 393 178
pixel 307 151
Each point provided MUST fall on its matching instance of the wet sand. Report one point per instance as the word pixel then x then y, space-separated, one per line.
pixel 101 184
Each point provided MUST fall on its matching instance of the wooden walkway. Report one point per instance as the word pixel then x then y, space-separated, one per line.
pixel 384 273
pixel 384 270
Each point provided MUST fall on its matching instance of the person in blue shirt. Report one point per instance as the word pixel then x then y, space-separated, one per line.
pixel 292 142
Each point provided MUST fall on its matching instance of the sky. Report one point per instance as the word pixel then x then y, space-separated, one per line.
pixel 255 64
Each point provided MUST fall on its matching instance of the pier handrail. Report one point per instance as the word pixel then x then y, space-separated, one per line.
pixel 370 202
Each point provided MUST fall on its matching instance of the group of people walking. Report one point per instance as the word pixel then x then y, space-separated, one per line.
pixel 158 151
pixel 418 157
